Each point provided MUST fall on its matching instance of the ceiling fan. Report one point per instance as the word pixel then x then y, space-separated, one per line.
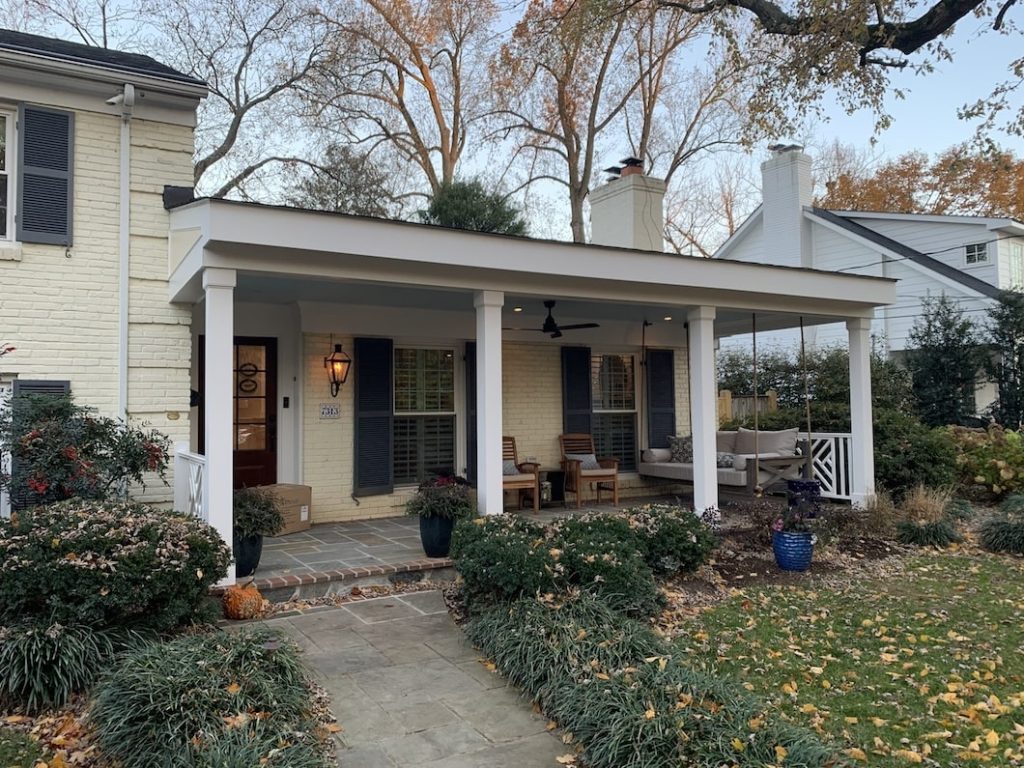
pixel 552 328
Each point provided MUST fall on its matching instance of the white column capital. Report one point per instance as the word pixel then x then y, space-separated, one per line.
pixel 489 299
pixel 698 314
pixel 217 277
pixel 858 325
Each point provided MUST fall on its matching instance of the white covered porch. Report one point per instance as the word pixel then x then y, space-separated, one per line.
pixel 329 273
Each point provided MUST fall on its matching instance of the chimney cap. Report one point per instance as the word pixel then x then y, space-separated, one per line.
pixel 632 162
pixel 783 148
pixel 614 170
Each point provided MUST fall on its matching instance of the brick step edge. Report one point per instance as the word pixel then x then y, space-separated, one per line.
pixel 344 574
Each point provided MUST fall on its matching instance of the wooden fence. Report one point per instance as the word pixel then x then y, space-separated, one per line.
pixel 740 407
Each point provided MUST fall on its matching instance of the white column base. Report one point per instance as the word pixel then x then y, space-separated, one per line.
pixel 862 448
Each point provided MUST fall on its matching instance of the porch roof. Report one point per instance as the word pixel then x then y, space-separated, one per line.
pixel 300 250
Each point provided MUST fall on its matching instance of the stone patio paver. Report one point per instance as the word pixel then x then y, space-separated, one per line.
pixel 409 690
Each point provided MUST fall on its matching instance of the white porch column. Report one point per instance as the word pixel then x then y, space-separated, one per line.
pixel 218 388
pixel 862 450
pixel 488 401
pixel 703 407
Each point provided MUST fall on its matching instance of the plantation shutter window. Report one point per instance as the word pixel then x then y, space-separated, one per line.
pixel 374 416
pixel 471 411
pixel 613 388
pixel 7 121
pixel 45 162
pixel 661 397
pixel 424 425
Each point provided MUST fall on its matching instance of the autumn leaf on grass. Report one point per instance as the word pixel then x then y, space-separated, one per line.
pixel 566 759
pixel 909 755
pixel 233 688
pixel 856 753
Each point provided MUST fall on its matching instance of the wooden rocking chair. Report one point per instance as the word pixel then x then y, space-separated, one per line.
pixel 605 477
pixel 527 477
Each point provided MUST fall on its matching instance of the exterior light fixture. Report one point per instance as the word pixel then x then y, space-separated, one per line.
pixel 338 365
pixel 517 309
pixel 667 318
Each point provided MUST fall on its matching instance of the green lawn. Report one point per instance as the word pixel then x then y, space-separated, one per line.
pixel 16 750
pixel 923 667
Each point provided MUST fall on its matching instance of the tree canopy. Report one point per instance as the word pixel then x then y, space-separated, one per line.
pixel 468 205
pixel 960 181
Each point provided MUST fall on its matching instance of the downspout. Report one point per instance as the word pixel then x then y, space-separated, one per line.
pixel 126 99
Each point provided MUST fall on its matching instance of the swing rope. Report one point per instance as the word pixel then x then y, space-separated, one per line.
pixel 809 467
pixel 758 490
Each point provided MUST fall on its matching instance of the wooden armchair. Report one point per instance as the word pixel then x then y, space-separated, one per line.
pixel 606 477
pixel 527 478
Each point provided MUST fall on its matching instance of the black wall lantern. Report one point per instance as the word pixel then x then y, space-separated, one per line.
pixel 338 366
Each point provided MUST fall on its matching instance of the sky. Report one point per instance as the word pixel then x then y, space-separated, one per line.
pixel 927 118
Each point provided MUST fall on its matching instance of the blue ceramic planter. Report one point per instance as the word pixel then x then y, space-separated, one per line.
pixel 793 551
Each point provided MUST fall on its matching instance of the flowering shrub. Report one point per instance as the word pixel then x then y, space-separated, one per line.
pixel 672 538
pixel 445 496
pixel 107 564
pixel 502 557
pixel 60 451
pixel 992 458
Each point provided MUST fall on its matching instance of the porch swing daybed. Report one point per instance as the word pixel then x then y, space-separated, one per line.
pixel 778 459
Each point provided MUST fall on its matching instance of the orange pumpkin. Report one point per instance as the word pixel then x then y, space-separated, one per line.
pixel 242 602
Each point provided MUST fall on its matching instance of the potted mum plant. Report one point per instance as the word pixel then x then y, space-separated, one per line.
pixel 439 503
pixel 257 514
pixel 792 538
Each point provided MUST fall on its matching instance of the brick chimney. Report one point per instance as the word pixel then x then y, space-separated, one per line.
pixel 785 192
pixel 629 210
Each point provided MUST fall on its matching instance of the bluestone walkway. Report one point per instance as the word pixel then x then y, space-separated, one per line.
pixel 409 690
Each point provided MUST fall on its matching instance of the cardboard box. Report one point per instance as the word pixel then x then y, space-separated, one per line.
pixel 296 501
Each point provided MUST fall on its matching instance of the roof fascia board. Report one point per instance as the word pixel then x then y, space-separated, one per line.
pixel 100 73
pixel 936 218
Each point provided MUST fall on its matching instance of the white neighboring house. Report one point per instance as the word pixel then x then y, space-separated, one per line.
pixel 970 259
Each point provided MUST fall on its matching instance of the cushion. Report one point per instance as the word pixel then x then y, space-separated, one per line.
pixel 682 449
pixel 726 441
pixel 724 459
pixel 518 478
pixel 782 441
pixel 586 460
pixel 742 460
pixel 657 455
pixel 508 467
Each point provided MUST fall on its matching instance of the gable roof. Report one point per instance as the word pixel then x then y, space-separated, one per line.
pixel 78 53
pixel 906 252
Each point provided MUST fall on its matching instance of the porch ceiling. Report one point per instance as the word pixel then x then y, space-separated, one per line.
pixel 285 255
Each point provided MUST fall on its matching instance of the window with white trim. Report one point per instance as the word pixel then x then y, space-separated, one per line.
pixel 424 426
pixel 613 390
pixel 1017 266
pixel 976 253
pixel 7 144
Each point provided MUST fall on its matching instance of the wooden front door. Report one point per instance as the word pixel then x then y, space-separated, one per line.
pixel 255 409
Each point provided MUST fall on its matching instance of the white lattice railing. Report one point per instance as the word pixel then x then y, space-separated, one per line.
pixel 831 451
pixel 190 482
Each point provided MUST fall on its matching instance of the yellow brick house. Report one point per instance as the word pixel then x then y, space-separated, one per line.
pixel 455 338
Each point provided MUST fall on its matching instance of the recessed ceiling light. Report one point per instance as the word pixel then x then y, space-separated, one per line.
pixel 517 309
pixel 667 318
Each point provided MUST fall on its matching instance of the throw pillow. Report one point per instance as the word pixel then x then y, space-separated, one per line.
pixel 682 449
pixel 508 467
pixel 725 460
pixel 726 441
pixel 586 460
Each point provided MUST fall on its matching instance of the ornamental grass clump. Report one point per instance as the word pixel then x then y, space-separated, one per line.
pixel 924 518
pixel 43 664
pixel 257 512
pixel 625 696
pixel 108 564
pixel 1004 532
pixel 171 703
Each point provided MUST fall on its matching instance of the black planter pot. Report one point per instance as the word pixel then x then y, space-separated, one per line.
pixel 247 550
pixel 436 535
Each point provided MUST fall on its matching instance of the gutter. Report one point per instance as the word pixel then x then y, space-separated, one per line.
pixel 126 100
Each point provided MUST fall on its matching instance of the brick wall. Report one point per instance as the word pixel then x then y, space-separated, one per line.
pixel 60 306
pixel 532 413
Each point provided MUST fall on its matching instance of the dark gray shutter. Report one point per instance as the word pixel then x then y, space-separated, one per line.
pixel 32 387
pixel 577 405
pixel 374 416
pixel 661 397
pixel 45 162
pixel 470 359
